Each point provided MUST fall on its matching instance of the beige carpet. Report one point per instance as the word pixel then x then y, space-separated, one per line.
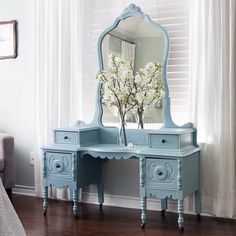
pixel 9 222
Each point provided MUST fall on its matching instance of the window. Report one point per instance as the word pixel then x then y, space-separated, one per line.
pixel 172 15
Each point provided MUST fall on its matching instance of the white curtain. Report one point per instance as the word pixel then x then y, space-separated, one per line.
pixel 59 36
pixel 212 73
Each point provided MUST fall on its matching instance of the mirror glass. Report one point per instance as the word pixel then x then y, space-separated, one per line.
pixel 134 39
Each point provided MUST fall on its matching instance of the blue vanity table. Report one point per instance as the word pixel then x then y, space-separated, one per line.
pixel 169 156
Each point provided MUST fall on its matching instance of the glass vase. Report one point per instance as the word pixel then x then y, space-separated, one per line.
pixel 122 139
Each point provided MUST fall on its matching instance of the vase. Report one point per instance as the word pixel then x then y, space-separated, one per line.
pixel 122 139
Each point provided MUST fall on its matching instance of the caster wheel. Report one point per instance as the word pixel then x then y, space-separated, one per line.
pixel 76 215
pixel 143 225
pixel 181 229
pixel 198 216
pixel 45 212
pixel 163 212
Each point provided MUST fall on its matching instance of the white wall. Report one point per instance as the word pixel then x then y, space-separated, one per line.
pixel 17 106
pixel 17 87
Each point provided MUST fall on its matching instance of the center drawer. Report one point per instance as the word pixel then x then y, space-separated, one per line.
pixel 161 174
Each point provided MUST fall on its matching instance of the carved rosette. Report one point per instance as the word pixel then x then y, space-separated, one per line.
pixel 160 172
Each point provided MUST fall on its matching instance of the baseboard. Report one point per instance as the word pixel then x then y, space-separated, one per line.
pixel 24 190
pixel 110 200
pixel 130 202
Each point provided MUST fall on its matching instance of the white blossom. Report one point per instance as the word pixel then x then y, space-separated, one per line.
pixel 125 91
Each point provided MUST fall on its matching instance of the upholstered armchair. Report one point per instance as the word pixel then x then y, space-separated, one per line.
pixel 7 172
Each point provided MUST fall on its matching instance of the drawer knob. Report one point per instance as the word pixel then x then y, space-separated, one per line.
pixel 58 166
pixel 160 173
pixel 163 140
pixel 66 137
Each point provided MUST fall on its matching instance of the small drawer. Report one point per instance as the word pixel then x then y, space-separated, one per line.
pixel 66 137
pixel 163 141
pixel 161 174
pixel 58 164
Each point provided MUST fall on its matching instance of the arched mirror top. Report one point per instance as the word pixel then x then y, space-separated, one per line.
pixel 134 38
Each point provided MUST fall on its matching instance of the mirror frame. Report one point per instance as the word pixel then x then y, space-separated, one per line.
pixel 131 11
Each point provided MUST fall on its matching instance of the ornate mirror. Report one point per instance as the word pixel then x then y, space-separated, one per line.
pixel 134 39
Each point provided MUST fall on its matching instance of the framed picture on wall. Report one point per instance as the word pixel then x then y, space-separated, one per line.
pixel 8 39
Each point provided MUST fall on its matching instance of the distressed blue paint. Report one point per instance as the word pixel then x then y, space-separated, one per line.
pixel 169 157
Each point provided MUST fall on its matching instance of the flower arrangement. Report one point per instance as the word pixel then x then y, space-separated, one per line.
pixel 148 89
pixel 117 88
pixel 128 92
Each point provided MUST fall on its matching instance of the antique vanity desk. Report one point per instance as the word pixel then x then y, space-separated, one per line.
pixel 169 156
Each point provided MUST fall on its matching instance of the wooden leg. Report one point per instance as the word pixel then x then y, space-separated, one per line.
pixel 163 206
pixel 181 214
pixel 75 202
pixel 100 189
pixel 143 211
pixel 45 200
pixel 198 204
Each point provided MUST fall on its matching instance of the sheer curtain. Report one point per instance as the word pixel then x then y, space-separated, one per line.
pixel 59 29
pixel 212 76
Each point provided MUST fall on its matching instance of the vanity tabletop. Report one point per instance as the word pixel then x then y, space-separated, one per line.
pixel 113 149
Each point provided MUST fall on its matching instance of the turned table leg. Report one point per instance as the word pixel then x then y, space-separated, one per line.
pixel 45 200
pixel 75 202
pixel 143 211
pixel 198 204
pixel 100 189
pixel 181 214
pixel 143 192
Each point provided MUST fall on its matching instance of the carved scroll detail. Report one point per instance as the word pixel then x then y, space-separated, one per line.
pixel 50 163
pixel 160 172
pixel 131 9
pixel 66 164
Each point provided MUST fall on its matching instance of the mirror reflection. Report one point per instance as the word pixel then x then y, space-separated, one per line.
pixel 137 42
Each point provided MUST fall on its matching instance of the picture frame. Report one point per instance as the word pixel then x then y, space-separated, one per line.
pixel 8 39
